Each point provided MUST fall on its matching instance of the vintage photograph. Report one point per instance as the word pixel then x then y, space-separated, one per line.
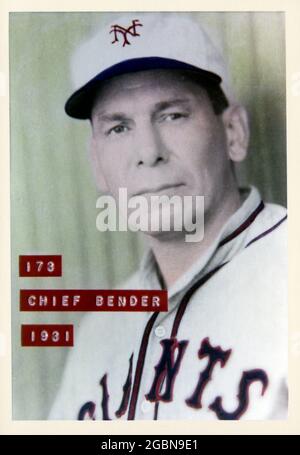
pixel 148 153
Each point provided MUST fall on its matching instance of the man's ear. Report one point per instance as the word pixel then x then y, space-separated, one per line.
pixel 236 125
pixel 96 167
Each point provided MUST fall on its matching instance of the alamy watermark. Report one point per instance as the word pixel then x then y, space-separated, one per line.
pixel 156 213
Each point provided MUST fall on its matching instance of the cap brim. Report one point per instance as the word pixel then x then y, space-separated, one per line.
pixel 80 103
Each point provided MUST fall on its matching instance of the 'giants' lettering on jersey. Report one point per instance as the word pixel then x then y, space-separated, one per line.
pixel 167 369
pixel 166 372
pixel 214 355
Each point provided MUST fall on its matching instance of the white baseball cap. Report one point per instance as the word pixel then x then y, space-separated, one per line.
pixel 138 42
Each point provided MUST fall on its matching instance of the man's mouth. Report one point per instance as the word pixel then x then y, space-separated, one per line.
pixel 160 189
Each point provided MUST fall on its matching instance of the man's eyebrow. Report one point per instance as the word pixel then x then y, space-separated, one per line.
pixel 113 117
pixel 170 103
pixel 160 106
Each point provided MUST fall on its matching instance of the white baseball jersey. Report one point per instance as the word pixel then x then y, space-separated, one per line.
pixel 220 352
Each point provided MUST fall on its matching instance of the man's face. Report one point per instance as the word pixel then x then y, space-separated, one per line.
pixel 155 133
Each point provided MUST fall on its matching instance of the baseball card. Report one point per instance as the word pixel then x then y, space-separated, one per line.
pixel 151 218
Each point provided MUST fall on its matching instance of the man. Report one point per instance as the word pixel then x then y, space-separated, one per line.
pixel 164 122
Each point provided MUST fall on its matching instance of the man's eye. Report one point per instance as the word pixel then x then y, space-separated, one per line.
pixel 118 129
pixel 174 116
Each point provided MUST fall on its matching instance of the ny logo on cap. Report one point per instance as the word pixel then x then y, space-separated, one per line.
pixel 131 30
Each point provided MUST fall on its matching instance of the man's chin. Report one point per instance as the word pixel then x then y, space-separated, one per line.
pixel 164 236
pixel 165 225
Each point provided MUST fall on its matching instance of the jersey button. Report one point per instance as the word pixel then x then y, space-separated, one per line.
pixel 146 407
pixel 160 331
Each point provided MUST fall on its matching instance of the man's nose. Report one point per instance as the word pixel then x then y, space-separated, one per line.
pixel 150 147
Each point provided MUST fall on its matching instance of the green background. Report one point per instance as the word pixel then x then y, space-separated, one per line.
pixel 53 196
